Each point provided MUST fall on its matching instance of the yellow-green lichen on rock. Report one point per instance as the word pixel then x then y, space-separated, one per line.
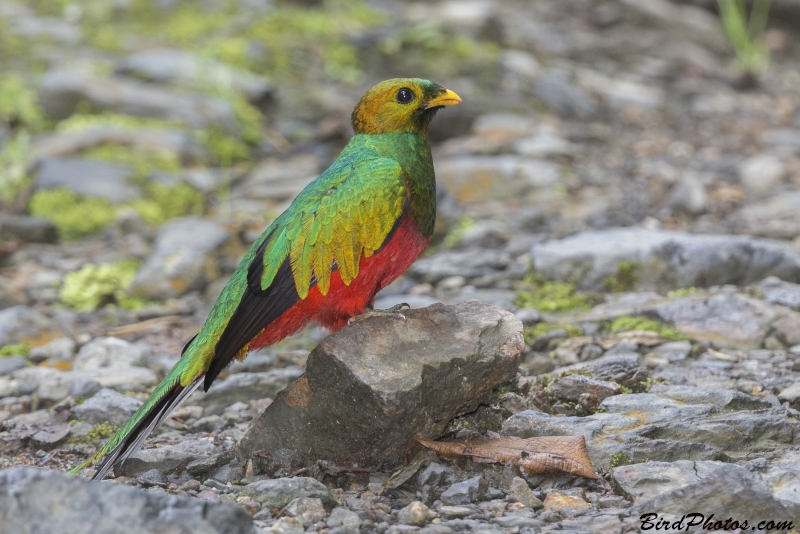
pixel 634 322
pixel 74 215
pixel 624 279
pixel 95 285
pixel 551 296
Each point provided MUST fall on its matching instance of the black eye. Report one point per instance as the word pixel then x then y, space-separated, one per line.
pixel 405 95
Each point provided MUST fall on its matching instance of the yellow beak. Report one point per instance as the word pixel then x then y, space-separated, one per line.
pixel 448 98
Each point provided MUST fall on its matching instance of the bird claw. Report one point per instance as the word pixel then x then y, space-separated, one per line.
pixel 393 312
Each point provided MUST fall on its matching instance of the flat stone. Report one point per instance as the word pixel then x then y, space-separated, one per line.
pixel 468 264
pixel 241 387
pixel 787 328
pixel 89 178
pixel 669 424
pixel 730 491
pixel 308 510
pixel 33 500
pixel 521 493
pixel 644 481
pixel 342 517
pixel 106 406
pixel 185 68
pixel 29 229
pixel 416 514
pixel 668 260
pixel 109 352
pixel 63 90
pixel 372 387
pixel 59 349
pixel 277 493
pixel 791 393
pixel 777 291
pixel 455 512
pixel 21 324
pixel 571 388
pixel 563 501
pixel 464 492
pixel 480 178
pixel 65 144
pixel 183 253
pixel 730 320
pixel 168 459
pixel 9 364
pixel 775 217
pixel 154 477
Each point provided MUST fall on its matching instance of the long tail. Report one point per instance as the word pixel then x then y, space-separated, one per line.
pixel 167 396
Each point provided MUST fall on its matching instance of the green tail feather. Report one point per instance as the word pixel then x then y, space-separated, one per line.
pixel 166 397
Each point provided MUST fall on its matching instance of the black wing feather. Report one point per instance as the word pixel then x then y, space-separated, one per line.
pixel 257 309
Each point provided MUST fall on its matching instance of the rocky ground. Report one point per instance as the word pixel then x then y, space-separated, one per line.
pixel 611 179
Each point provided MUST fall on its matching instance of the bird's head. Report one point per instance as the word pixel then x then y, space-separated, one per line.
pixel 401 105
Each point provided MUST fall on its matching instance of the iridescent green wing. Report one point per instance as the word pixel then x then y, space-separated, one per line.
pixel 332 224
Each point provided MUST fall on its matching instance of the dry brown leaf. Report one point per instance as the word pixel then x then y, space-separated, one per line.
pixel 549 454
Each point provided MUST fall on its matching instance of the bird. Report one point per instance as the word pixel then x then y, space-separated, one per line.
pixel 348 234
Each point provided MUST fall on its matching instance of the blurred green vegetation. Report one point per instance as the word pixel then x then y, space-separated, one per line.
pixel 746 34
pixel 93 286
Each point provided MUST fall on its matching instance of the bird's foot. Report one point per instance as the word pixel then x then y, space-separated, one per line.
pixel 393 312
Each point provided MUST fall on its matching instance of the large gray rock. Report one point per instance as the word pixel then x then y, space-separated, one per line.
pixel 106 406
pixel 244 387
pixel 728 319
pixel 69 143
pixel 726 491
pixel 666 260
pixel 63 90
pixel 37 501
pixel 372 387
pixel 188 69
pixel 21 324
pixel 169 458
pixel 89 178
pixel 672 423
pixel 185 250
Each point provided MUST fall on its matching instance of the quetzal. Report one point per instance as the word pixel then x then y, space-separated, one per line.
pixel 347 235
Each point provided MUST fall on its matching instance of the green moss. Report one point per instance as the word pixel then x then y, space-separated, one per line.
pixel 19 349
pixel 83 121
pixel 682 292
pixel 540 329
pixel 624 279
pixel 166 201
pixel 144 162
pixel 456 234
pixel 631 322
pixel 73 215
pixel 101 431
pixel 224 148
pixel 581 372
pixel 552 297
pixel 98 431
pixel 14 159
pixel 625 390
pixel 619 459
pixel 93 286
pixel 18 105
